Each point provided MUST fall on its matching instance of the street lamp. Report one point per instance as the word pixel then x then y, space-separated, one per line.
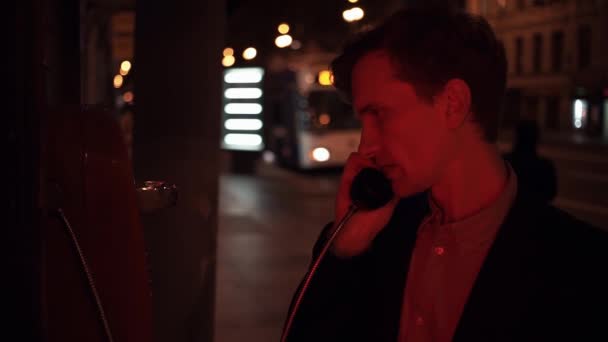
pixel 128 97
pixel 125 66
pixel 353 14
pixel 283 41
pixel 228 52
pixel 283 28
pixel 228 61
pixel 250 53
pixel 118 81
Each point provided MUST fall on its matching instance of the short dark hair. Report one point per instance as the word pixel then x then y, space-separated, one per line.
pixel 431 46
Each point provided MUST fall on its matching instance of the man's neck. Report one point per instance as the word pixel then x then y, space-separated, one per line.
pixel 471 182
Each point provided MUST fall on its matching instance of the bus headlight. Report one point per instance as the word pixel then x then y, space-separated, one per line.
pixel 320 154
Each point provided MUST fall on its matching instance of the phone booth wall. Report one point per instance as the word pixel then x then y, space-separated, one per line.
pixel 605 112
pixel 178 93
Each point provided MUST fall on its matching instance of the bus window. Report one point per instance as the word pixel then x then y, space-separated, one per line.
pixel 326 111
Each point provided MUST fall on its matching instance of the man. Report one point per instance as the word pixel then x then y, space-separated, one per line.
pixel 461 253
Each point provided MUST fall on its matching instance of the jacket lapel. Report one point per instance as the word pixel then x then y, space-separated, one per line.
pixel 500 299
pixel 389 267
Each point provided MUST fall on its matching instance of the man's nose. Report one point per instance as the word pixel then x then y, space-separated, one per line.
pixel 370 138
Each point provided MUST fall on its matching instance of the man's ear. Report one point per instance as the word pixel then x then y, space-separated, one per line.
pixel 457 97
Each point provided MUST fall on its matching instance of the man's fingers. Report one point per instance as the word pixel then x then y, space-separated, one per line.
pixel 354 164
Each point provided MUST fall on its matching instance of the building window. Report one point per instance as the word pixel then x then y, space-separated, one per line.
pixel 537 56
pixel 584 47
pixel 519 53
pixel 579 113
pixel 531 105
pixel 557 50
pixel 512 107
pixel 552 113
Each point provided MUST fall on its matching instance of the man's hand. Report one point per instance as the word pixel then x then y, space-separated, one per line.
pixel 359 232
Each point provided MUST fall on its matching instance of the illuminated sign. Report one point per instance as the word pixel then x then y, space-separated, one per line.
pixel 242 120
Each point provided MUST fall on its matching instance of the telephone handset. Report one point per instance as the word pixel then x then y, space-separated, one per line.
pixel 370 190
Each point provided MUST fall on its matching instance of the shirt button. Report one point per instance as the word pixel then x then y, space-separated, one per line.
pixel 419 320
pixel 439 250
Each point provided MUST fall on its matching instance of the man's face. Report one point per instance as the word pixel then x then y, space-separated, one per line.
pixel 408 138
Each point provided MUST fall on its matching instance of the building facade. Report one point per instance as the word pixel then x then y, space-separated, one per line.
pixel 557 55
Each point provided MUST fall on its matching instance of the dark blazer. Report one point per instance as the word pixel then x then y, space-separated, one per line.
pixel 544 279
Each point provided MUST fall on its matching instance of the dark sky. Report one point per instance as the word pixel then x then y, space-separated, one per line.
pixel 254 22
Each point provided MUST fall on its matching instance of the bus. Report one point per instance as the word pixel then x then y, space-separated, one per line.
pixel 309 125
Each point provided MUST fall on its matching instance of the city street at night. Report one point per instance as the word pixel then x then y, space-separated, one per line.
pixel 172 164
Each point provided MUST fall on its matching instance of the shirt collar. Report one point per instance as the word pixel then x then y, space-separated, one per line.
pixel 481 226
